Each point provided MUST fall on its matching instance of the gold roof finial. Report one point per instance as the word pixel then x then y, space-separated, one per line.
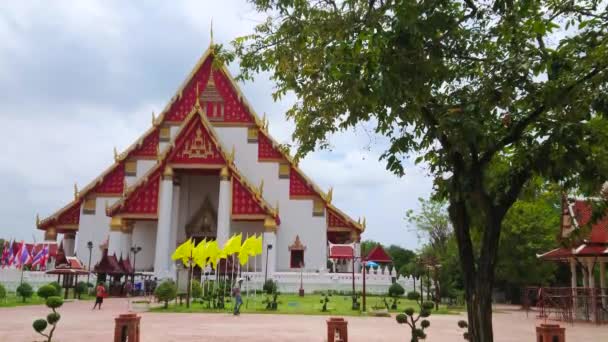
pixel 364 224
pixel 261 188
pixel 197 104
pixel 75 191
pixel 37 219
pixel 116 158
pixel 330 194
pixel 263 122
pixel 359 220
pixel 277 207
pixel 211 33
pixel 153 119
pixel 158 156
pixel 232 154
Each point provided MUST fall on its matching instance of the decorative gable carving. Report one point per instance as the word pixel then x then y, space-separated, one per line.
pixel 297 245
pixel 194 145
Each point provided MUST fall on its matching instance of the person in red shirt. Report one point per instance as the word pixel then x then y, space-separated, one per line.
pixel 100 292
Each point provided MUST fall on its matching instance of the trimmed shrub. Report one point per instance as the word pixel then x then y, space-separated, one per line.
pixel 270 287
pixel 197 289
pixel 166 292
pixel 57 287
pixel 395 291
pixel 81 288
pixel 25 291
pixel 2 292
pixel 39 325
pixel 46 291
pixel 407 317
pixel 413 295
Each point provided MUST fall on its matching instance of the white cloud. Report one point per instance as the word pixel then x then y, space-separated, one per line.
pixel 79 78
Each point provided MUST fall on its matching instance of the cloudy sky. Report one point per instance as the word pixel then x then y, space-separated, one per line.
pixel 80 77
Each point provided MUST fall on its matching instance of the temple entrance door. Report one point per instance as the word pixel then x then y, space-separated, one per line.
pixel 202 226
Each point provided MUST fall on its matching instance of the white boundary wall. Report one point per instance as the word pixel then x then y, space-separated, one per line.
pixel 10 278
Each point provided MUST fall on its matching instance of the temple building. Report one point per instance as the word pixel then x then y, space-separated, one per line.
pixel 206 168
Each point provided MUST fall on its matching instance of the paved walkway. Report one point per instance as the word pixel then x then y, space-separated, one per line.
pixel 78 323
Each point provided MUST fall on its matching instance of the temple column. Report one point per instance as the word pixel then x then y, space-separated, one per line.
pixel 573 285
pixel 127 241
pixel 69 242
pixel 592 288
pixel 223 208
pixel 603 283
pixel 357 250
pixel 174 225
pixel 115 244
pixel 162 255
pixel 269 254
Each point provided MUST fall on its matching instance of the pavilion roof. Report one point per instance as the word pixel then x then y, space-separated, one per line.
pixel 582 210
pixel 378 254
pixel 341 251
pixel 109 265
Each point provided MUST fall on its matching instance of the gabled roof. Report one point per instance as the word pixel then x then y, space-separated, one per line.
pixel 583 212
pixel 341 251
pixel 195 124
pixel 378 254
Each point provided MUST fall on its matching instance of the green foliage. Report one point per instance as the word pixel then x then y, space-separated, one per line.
pixel 2 292
pixel 53 318
pixel 269 287
pixel 46 291
pixel 407 317
pixel 413 295
pixel 39 325
pixel 166 292
pixel 396 290
pixel 197 289
pixel 54 302
pixel 56 286
pixel 324 301
pixel 81 288
pixel 25 291
pixel 486 95
pixel 432 223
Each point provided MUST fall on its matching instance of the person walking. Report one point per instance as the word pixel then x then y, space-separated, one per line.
pixel 238 300
pixel 100 292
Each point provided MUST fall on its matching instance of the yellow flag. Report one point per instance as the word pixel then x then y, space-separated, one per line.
pixel 183 251
pixel 246 250
pixel 212 251
pixel 233 245
pixel 199 254
pixel 257 250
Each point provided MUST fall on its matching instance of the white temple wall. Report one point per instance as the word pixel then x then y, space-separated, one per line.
pixel 296 215
pixel 143 166
pixel 144 235
pixel 95 228
pixel 193 191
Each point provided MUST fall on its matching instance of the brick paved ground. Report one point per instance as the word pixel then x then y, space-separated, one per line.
pixel 79 323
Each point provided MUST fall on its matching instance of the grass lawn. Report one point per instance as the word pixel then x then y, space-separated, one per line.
pixel 310 304
pixel 12 300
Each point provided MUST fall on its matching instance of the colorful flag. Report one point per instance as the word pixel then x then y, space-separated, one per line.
pixel 24 258
pixel 40 258
pixel 5 255
pixel 12 254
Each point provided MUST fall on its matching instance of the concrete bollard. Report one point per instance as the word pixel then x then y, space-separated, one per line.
pixel 550 333
pixel 126 328
pixel 337 330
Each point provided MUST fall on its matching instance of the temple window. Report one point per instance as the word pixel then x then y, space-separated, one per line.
pixel 89 206
pixel 318 208
pixel 131 168
pixel 297 254
pixel 284 170
pixel 165 133
pixel 252 134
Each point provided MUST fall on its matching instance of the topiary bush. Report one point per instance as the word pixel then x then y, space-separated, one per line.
pixel 39 325
pixel 166 292
pixel 462 324
pixel 2 292
pixel 197 289
pixel 269 287
pixel 395 291
pixel 25 291
pixel 407 317
pixel 57 287
pixel 81 288
pixel 324 301
pixel 413 295
pixel 46 291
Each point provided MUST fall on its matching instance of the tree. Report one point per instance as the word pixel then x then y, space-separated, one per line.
pixel 52 319
pixel 24 291
pixel 485 94
pixel 432 223
pixel 395 291
pixel 166 292
pixel 400 255
pixel 407 317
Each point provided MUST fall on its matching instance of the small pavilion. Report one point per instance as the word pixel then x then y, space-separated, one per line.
pixel 379 256
pixel 584 246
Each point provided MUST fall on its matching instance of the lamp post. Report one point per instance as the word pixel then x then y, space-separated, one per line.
pixel 301 291
pixel 268 248
pixel 134 250
pixel 90 247
pixel 363 274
